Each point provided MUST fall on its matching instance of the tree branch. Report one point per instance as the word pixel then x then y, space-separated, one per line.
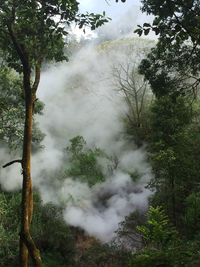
pixel 37 77
pixel 12 162
pixel 22 55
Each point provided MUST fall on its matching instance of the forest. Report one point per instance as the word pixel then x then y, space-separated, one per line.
pixel 99 135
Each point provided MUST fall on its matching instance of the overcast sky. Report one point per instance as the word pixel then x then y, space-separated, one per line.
pixel 112 8
pixel 125 16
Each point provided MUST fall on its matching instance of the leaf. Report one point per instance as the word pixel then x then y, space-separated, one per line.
pixel 138 31
pixel 146 25
pixel 156 30
pixel 146 31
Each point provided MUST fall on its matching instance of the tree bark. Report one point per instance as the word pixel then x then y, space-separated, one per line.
pixel 26 242
pixel 27 245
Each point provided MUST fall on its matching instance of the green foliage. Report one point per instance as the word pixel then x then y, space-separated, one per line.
pixel 150 259
pixel 192 215
pixel 12 111
pixel 157 232
pixel 84 162
pixel 184 255
pixel 170 116
pixel 29 29
pixel 173 66
pixel 48 228
pixel 11 108
pixel 54 259
pixel 160 239
pixel 174 20
pixel 174 155
pixel 103 255
pixel 162 244
pixel 9 228
pixel 51 234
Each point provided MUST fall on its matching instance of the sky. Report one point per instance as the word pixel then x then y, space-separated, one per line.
pixel 124 17
pixel 112 8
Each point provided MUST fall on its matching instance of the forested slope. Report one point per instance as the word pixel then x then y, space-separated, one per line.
pixel 116 158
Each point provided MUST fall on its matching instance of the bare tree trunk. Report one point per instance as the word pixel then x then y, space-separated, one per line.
pixel 26 242
pixel 27 245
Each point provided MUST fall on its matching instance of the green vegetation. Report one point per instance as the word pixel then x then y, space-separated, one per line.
pixel 12 111
pixel 84 164
pixel 172 69
pixel 166 121
pixel 30 36
pixel 162 245
pixel 49 231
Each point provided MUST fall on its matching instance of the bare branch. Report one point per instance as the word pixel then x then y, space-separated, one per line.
pixel 12 162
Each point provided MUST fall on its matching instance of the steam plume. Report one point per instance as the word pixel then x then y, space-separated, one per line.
pixel 80 100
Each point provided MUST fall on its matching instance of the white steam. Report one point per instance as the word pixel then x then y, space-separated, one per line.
pixel 106 205
pixel 80 100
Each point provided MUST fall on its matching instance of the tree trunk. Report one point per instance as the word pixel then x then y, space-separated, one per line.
pixel 173 199
pixel 27 245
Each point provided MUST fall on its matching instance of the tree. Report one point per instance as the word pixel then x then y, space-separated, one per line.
pixel 192 214
pixel 162 244
pixel 174 20
pixel 157 232
pixel 160 241
pixel 172 69
pixel 137 95
pixel 31 33
pixel 175 157
pixel 173 66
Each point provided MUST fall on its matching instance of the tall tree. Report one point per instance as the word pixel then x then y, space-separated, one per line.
pixel 138 96
pixel 32 31
pixel 173 71
pixel 173 66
